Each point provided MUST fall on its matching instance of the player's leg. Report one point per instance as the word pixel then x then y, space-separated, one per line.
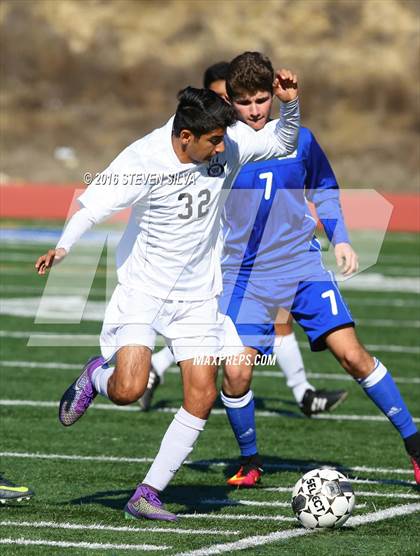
pixel 194 329
pixel 238 399
pixel 129 378
pixel 199 386
pixel 124 339
pixel 289 358
pixel 161 361
pixel 247 311
pixel 379 385
pixel 122 384
pixel 322 312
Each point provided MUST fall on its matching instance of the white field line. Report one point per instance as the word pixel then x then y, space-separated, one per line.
pixel 391 271
pixel 67 291
pixel 372 494
pixel 67 309
pixel 101 527
pixel 87 545
pixel 396 302
pixel 47 335
pixel 237 517
pixel 69 272
pixel 47 339
pixel 411 264
pixel 329 376
pixel 257 503
pixel 406 281
pixel 199 463
pixel 407 303
pixel 232 502
pixel 11 245
pixel 386 348
pixel 388 513
pixel 388 323
pixel 260 540
pixel 338 417
pixel 344 376
pixel 43 337
pixel 174 370
pixel 36 365
pixel 29 258
pixel 381 482
pixel 172 410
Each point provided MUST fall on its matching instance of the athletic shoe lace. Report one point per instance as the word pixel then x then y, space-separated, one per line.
pixel 153 498
pixel 86 397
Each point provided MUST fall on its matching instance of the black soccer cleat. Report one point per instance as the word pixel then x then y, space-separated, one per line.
pixel 319 401
pixel 146 400
pixel 9 492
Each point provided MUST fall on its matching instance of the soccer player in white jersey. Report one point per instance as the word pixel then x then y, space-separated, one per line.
pixel 289 358
pixel 176 180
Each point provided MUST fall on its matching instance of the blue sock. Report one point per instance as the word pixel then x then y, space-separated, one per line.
pixel 382 390
pixel 241 415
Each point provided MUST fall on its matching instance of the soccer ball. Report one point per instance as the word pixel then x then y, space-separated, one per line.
pixel 323 498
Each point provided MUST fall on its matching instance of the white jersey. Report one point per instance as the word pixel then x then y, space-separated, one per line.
pixel 169 246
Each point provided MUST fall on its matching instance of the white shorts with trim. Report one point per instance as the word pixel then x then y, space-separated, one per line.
pixel 190 328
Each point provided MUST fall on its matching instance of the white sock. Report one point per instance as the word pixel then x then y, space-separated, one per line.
pixel 175 447
pixel 290 361
pixel 100 378
pixel 162 360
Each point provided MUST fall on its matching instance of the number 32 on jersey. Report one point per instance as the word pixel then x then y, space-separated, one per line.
pixel 201 205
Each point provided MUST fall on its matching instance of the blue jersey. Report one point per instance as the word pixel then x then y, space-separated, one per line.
pixel 267 225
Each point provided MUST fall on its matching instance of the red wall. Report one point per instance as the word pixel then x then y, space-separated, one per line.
pixel 363 209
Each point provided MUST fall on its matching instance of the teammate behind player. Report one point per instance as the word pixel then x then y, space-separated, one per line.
pixel 176 180
pixel 272 259
pixel 286 348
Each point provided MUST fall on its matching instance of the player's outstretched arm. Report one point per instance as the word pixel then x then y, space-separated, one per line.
pixel 45 262
pixel 347 259
pixel 79 223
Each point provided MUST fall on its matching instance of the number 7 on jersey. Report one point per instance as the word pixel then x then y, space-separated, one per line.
pixel 268 177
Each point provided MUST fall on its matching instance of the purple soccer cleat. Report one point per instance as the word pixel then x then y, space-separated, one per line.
pixel 78 397
pixel 145 503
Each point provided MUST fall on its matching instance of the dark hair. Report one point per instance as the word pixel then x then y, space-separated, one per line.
pixel 249 72
pixel 201 111
pixel 216 72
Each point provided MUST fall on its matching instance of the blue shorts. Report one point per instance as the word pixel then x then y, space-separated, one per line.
pixel 316 305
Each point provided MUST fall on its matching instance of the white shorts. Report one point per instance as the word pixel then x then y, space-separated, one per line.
pixel 190 328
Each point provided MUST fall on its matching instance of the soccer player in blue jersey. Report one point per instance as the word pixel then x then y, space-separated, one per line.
pixel 286 348
pixel 272 259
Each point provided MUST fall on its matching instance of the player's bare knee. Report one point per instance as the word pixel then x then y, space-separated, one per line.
pixel 238 388
pixel 209 396
pixel 237 379
pixel 204 397
pixel 123 397
pixel 124 393
pixel 357 361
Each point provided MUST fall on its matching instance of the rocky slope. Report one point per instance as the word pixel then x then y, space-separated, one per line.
pixel 93 75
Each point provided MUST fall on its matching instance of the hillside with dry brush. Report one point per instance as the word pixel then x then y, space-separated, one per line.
pixel 93 75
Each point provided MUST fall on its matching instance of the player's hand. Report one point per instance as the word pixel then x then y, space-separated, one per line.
pixel 346 258
pixel 45 262
pixel 285 86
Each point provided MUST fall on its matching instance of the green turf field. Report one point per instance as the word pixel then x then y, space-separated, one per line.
pixel 84 475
